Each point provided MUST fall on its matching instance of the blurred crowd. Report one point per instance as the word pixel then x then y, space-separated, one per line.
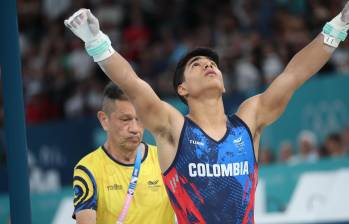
pixel 255 39
pixel 308 149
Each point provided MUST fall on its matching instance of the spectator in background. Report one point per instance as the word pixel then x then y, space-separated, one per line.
pixel 272 64
pixel 307 144
pixel 333 146
pixel 136 34
pixel 286 153
pixel 345 138
pixel 53 9
pixel 85 99
pixel 80 64
pixel 75 105
pixel 266 157
pixel 39 107
pixel 138 27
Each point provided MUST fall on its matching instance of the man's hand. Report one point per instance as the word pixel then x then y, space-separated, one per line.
pixel 83 24
pixel 86 26
pixel 335 31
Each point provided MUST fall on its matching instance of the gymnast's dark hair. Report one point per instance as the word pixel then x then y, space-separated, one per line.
pixel 178 77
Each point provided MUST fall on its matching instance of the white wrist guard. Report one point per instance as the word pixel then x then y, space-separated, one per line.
pixel 100 47
pixel 335 31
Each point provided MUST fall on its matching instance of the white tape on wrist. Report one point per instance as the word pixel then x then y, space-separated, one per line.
pixel 100 48
pixel 335 31
pixel 331 41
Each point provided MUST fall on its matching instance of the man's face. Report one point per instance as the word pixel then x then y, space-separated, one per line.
pixel 122 125
pixel 201 74
pixel 305 146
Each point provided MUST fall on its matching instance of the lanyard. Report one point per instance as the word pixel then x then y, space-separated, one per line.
pixel 132 185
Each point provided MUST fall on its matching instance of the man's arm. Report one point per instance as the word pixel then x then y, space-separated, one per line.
pixel 269 105
pixel 85 195
pixel 87 216
pixel 156 115
pixel 265 108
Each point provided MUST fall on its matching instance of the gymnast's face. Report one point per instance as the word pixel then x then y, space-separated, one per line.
pixel 201 75
pixel 122 125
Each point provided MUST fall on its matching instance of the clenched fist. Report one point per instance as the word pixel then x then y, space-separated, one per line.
pixel 86 26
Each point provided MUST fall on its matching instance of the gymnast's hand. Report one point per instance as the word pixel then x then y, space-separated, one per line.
pixel 86 26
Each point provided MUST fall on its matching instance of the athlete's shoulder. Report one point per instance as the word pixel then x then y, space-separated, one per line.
pixel 91 158
pixel 152 152
pixel 235 119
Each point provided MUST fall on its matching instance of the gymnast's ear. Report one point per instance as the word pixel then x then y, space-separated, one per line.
pixel 182 90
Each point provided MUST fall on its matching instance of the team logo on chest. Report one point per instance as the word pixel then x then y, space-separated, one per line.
pixel 239 143
pixel 154 185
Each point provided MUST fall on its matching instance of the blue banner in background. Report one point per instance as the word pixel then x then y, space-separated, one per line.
pixel 60 145
pixel 54 149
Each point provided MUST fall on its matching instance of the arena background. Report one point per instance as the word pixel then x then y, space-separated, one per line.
pixel 304 162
